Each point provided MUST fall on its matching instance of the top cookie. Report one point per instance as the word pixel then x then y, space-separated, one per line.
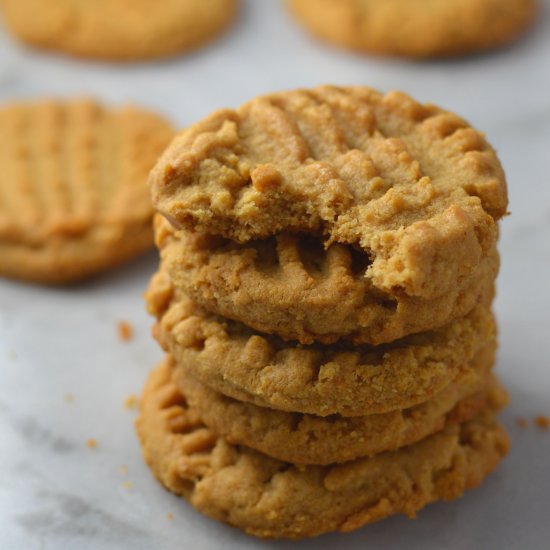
pixel 413 186
pixel 410 28
pixel 117 29
pixel 73 193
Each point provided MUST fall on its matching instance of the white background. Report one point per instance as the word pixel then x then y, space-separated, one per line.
pixel 56 493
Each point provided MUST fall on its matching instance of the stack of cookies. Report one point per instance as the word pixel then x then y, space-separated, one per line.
pixel 328 260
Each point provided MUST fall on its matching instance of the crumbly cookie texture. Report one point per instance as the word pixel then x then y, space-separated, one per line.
pixel 290 286
pixel 322 380
pixel 308 439
pixel 413 186
pixel 270 498
pixel 115 29
pixel 410 28
pixel 73 193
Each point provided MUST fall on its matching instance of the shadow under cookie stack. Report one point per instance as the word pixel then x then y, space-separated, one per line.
pixel 328 260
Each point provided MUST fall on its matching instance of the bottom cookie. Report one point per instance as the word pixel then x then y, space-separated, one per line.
pixel 270 498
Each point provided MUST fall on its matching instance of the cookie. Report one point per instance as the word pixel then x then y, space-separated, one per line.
pixel 117 29
pixel 73 193
pixel 322 380
pixel 409 28
pixel 290 286
pixel 270 498
pixel 412 186
pixel 308 439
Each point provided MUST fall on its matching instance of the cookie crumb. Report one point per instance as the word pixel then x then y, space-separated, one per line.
pixel 542 422
pixel 131 402
pixel 128 485
pixel 69 398
pixel 124 470
pixel 91 443
pixel 521 422
pixel 125 331
pixel 169 516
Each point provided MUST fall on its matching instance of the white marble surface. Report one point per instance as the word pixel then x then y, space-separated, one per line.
pixel 56 493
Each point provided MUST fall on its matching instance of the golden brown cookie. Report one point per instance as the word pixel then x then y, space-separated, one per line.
pixel 308 439
pixel 290 286
pixel 414 187
pixel 413 28
pixel 269 498
pixel 73 193
pixel 353 381
pixel 118 29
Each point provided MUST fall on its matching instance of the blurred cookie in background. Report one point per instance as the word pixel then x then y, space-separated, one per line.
pixel 73 193
pixel 416 28
pixel 117 29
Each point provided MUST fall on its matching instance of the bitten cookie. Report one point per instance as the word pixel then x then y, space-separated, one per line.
pixel 269 498
pixel 118 29
pixel 413 28
pixel 73 193
pixel 291 286
pixel 349 380
pixel 413 187
pixel 308 439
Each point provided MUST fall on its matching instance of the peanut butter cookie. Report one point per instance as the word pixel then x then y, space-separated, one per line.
pixel 270 498
pixel 415 188
pixel 291 286
pixel 73 193
pixel 321 380
pixel 414 28
pixel 117 29
pixel 308 439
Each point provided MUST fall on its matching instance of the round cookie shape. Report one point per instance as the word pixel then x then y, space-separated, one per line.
pixel 289 285
pixel 308 439
pixel 412 186
pixel 270 498
pixel 118 29
pixel 410 28
pixel 73 193
pixel 322 380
